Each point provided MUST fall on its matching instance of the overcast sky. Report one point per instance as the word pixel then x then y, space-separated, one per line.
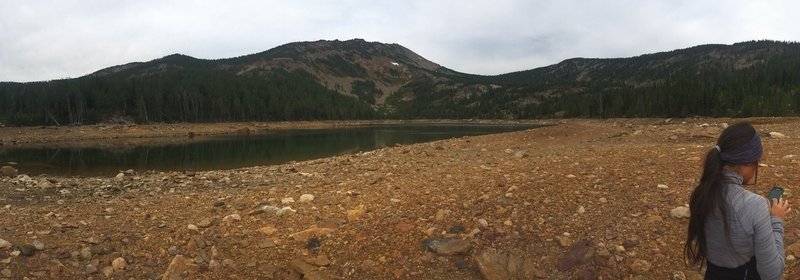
pixel 44 40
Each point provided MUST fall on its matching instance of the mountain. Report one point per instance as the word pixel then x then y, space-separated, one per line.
pixel 356 79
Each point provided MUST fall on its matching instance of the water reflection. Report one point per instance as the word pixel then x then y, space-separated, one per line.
pixel 227 152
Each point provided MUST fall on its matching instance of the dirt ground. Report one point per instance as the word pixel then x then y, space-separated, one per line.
pixel 586 199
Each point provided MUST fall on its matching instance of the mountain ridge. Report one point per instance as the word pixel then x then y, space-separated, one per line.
pixel 395 82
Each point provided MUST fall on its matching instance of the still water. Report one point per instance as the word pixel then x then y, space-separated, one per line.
pixel 227 152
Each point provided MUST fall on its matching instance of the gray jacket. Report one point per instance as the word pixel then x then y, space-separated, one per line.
pixel 753 232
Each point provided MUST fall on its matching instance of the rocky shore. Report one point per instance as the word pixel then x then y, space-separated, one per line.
pixel 585 199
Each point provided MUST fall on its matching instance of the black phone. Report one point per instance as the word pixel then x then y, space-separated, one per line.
pixel 776 192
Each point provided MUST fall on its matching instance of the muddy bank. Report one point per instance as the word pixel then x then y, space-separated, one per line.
pixel 584 198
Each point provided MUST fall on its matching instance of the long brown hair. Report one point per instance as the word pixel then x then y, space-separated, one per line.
pixel 709 195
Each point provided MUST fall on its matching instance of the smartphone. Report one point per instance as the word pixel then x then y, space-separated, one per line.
pixel 776 192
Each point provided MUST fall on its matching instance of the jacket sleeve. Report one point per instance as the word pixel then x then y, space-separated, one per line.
pixel 767 240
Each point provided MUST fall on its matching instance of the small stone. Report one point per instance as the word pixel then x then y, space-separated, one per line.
pixel 207 222
pixel 4 244
pixel 563 241
pixel 192 227
pixel 6 273
pixel 119 177
pixel 570 176
pixel 662 186
pixel 777 135
pixel 108 271
pixel 603 200
pixel 640 266
pixel 91 269
pixel 508 223
pixel 286 211
pixel 680 212
pixel 306 198
pixel 25 250
pixel 38 245
pixel 119 264
pixel 268 230
pixel 287 200
pixel 620 248
pixel 483 223
pixel 219 203
pixel 448 246
pixel 581 210
pixel 693 159
pixel 232 218
pixel 790 258
pixel 355 214
pixel 86 253
pixel 394 200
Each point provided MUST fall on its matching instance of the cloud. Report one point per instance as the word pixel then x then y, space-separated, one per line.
pixel 45 40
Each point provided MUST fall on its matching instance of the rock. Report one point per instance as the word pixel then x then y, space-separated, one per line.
pixel 8 171
pixel 207 222
pixel 268 230
pixel 219 203
pixel 308 233
pixel 777 135
pixel 91 269
pixel 793 249
pixel 483 223
pixel 306 198
pixel 286 211
pixel 86 253
pixel 680 212
pixel 4 244
pixel 287 200
pixel 581 210
pixel 448 246
pixel 662 186
pixel 693 159
pixel 579 253
pixel 355 214
pixel 563 241
pixel 570 176
pixel 45 184
pixel 640 266
pixel 6 273
pixel 37 244
pixel 603 200
pixel 192 227
pixel 178 267
pixel 232 218
pixel 25 250
pixel 321 260
pixel 108 271
pixel 495 265
pixel 119 264
pixel 120 177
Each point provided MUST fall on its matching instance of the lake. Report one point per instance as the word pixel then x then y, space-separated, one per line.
pixel 235 151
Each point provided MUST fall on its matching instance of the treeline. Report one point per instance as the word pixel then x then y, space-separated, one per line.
pixel 185 95
pixel 692 85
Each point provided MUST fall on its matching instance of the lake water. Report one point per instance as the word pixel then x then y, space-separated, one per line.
pixel 227 152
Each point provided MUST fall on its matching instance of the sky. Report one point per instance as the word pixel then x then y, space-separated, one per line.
pixel 55 39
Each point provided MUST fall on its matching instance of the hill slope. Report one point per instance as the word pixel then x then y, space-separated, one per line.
pixel 357 79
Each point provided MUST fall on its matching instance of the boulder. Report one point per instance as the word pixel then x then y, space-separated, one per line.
pixel 178 267
pixel 8 171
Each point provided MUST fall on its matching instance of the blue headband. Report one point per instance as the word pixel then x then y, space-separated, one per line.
pixel 750 152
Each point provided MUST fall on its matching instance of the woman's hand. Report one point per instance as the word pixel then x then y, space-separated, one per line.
pixel 779 208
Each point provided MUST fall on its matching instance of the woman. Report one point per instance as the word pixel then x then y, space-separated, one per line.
pixel 738 233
